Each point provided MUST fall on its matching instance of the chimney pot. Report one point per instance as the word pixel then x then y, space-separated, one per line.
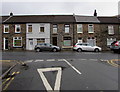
pixel 95 13
pixel 11 14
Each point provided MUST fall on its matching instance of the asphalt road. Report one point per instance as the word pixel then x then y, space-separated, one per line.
pixel 67 70
pixel 27 55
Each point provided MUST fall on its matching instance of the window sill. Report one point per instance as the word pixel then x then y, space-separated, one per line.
pixel 91 32
pixel 111 34
pixel 6 32
pixel 17 46
pixel 17 32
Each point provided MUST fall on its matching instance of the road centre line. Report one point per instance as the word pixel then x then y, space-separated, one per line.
pixel 38 60
pixel 82 59
pixel 50 60
pixel 28 61
pixel 72 66
pixel 60 60
pixel 41 60
pixel 93 59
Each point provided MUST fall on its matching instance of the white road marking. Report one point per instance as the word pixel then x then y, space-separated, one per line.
pixel 38 60
pixel 60 59
pixel 50 60
pixel 28 61
pixel 57 81
pixel 103 60
pixel 82 59
pixel 72 66
pixel 93 59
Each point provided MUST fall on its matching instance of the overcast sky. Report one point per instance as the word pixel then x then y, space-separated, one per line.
pixel 82 7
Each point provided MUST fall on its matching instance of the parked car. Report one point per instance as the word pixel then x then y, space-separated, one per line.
pixel 115 46
pixel 46 47
pixel 86 47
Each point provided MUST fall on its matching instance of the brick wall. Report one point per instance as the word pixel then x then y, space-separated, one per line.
pixel 105 35
pixel 0 36
pixel 12 34
pixel 61 34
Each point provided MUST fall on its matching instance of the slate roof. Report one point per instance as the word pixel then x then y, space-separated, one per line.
pixel 86 19
pixel 41 19
pixel 110 20
pixel 58 19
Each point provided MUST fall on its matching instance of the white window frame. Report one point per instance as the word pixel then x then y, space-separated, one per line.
pixel 89 31
pixel 67 28
pixel 28 28
pixel 17 39
pixel 16 28
pixel 110 41
pixel 41 39
pixel 79 28
pixel 80 40
pixel 110 29
pixel 55 29
pixel 6 26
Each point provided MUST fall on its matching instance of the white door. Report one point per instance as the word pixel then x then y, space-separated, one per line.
pixel 30 44
pixel 6 44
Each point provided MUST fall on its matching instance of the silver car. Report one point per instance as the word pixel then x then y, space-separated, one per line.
pixel 46 47
pixel 86 47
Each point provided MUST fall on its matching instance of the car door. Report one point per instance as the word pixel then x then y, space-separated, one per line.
pixel 89 47
pixel 84 46
pixel 48 47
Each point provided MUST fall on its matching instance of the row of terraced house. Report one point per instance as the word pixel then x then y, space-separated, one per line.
pixel 23 32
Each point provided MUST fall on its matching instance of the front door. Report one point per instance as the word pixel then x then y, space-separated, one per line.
pixel 54 41
pixel 6 44
pixel 30 44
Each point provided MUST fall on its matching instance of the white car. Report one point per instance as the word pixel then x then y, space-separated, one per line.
pixel 86 47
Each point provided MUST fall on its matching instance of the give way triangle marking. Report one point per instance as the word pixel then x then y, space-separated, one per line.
pixel 57 81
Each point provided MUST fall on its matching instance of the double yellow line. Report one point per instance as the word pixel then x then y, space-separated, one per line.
pixel 111 62
pixel 9 80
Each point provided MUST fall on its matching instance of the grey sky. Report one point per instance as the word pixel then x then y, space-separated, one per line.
pixel 80 8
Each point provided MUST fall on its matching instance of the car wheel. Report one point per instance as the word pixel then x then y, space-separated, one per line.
pixel 38 50
pixel 54 50
pixel 79 50
pixel 96 50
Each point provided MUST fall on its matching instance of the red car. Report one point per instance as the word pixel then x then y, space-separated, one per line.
pixel 115 46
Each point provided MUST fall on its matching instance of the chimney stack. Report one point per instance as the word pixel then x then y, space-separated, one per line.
pixel 95 13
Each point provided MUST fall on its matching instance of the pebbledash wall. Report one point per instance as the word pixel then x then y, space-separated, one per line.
pixel 60 30
pixel 36 35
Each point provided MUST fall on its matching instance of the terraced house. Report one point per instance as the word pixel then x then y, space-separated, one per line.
pixel 110 31
pixel 13 33
pixel 23 32
pixel 62 31
pixel 88 30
